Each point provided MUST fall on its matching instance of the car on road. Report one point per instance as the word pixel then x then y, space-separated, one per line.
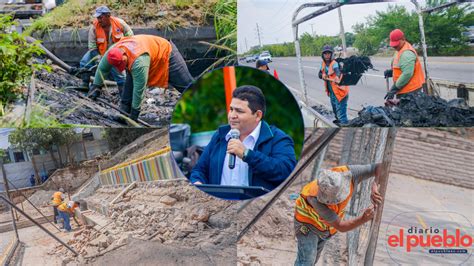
pixel 469 34
pixel 265 56
pixel 22 9
pixel 250 59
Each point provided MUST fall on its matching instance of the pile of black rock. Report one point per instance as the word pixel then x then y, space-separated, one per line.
pixel 417 111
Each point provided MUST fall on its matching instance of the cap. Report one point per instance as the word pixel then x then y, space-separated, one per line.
pixel 101 10
pixel 61 190
pixel 327 48
pixel 395 37
pixel 334 187
pixel 261 63
pixel 114 57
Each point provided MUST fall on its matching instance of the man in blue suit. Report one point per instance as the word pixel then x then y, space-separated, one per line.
pixel 264 155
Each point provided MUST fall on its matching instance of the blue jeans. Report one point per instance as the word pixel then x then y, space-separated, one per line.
pixel 339 108
pixel 66 220
pixel 87 62
pixel 310 245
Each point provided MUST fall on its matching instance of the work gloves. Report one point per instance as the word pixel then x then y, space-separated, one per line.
pixel 134 113
pixel 388 73
pixel 94 92
pixel 391 94
pixel 320 74
pixel 73 71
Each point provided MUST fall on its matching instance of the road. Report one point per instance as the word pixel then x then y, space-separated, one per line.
pixel 372 87
pixel 423 204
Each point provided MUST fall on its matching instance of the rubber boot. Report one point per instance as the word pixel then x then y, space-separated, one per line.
pixel 120 90
pixel 134 113
pixel 125 108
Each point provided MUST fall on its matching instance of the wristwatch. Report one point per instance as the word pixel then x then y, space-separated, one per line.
pixel 246 152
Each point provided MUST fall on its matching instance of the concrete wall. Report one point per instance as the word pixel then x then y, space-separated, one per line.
pixel 70 45
pixel 19 173
pixel 427 153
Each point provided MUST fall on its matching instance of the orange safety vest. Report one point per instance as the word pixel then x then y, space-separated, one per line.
pixel 57 198
pixel 339 91
pixel 418 77
pixel 157 48
pixel 64 208
pixel 305 213
pixel 101 36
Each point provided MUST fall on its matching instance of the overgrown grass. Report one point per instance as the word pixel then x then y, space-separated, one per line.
pixel 162 14
pixel 225 23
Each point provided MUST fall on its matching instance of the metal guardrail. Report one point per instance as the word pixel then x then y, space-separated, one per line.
pixel 314 119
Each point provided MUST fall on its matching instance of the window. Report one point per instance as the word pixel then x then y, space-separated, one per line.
pixel 19 157
pixel 87 136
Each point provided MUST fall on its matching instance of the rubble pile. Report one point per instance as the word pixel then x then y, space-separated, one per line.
pixel 65 97
pixel 418 111
pixel 172 212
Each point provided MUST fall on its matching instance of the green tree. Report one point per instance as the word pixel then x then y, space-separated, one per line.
pixel 365 42
pixel 43 139
pixel 16 64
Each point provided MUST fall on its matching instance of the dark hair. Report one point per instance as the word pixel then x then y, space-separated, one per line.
pixel 253 95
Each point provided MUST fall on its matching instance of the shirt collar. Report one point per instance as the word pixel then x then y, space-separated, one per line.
pixel 254 134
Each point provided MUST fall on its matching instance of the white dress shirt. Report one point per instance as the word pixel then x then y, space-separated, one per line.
pixel 239 176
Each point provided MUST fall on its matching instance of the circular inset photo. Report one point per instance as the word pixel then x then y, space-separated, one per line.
pixel 237 133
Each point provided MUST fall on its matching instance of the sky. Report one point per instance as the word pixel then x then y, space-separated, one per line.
pixel 274 19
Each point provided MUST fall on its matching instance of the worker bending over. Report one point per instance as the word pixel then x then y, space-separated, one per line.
pixel 320 208
pixel 150 61
pixel 408 76
pixel 66 210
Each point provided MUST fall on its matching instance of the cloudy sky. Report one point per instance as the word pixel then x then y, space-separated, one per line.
pixel 274 19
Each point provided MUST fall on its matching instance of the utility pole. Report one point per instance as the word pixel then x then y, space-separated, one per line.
pixel 258 35
pixel 246 45
pixel 312 30
pixel 342 33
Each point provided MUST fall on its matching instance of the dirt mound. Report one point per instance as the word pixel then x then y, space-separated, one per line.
pixel 174 213
pixel 149 253
pixel 418 111
pixel 56 91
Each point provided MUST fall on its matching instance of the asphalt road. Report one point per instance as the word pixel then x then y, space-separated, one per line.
pixel 372 87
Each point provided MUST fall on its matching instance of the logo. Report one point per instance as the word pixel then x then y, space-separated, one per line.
pixel 434 237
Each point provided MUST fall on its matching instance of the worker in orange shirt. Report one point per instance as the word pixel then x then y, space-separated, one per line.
pixel 56 200
pixel 67 210
pixel 150 61
pixel 319 210
pixel 407 73
pixel 103 33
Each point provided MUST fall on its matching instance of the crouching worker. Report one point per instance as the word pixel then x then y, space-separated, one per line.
pixel 66 210
pixel 150 61
pixel 320 208
pixel 56 200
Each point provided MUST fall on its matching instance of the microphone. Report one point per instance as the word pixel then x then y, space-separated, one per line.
pixel 234 134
